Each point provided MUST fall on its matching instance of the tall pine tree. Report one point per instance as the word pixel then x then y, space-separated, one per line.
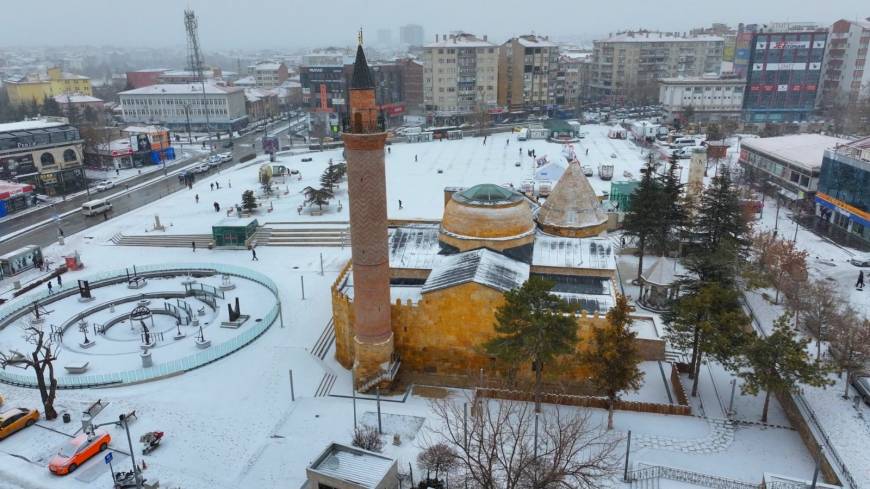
pixel 643 220
pixel 720 216
pixel 673 210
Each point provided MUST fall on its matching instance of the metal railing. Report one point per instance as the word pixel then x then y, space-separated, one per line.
pixel 167 369
pixel 654 472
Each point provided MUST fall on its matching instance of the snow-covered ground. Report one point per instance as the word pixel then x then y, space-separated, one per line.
pixel 233 424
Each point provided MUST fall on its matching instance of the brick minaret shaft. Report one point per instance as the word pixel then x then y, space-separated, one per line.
pixel 364 147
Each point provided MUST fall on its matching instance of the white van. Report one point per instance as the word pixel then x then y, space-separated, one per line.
pixel 523 135
pixel 683 142
pixel 94 207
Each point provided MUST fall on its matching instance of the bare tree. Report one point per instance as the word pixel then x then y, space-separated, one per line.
pixel 439 458
pixel 849 337
pixel 367 438
pixel 41 360
pixel 505 444
pixel 820 306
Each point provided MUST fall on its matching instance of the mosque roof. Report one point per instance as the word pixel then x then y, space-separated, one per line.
pixel 487 194
pixel 572 204
pixel 482 266
pixel 362 76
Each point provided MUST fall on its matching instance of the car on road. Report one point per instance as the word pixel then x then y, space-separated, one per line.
pixel 228 144
pixel 861 260
pixel 96 206
pixel 16 419
pixel 226 157
pixel 104 185
pixel 861 383
pixel 214 160
pixel 201 168
pixel 75 452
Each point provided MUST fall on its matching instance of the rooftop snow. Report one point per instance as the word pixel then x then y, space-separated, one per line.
pixel 536 42
pixel 75 99
pixel 180 89
pixel 482 266
pixel 460 41
pixel 556 251
pixel 658 37
pixel 353 465
pixel 414 246
pixel 805 150
pixel 29 125
pixel 663 271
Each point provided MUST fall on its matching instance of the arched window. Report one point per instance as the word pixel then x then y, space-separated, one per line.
pixel 69 155
pixel 46 159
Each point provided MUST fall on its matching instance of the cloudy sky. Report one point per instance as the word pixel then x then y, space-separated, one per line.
pixel 293 23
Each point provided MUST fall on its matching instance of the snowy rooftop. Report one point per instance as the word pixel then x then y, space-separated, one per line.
pixel 536 42
pixel 145 129
pixel 359 467
pixel 555 251
pixel 663 271
pixel 75 99
pixel 266 66
pixel 30 125
pixel 460 41
pixel 180 89
pixel 657 37
pixel 698 80
pixel 414 246
pixel 482 266
pixel 805 150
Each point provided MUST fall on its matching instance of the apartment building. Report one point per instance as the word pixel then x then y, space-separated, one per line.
pixel 627 66
pixel 176 105
pixel 785 67
pixel 711 98
pixel 846 69
pixel 34 88
pixel 460 74
pixel 268 74
pixel 44 152
pixel 411 34
pixel 842 198
pixel 572 77
pixel 527 71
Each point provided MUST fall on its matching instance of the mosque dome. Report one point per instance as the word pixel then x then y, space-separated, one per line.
pixel 572 209
pixel 487 216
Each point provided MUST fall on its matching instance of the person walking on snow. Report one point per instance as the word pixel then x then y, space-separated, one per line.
pixel 860 283
pixel 415 158
pixel 193 245
pixel 400 203
pixel 49 287
pixel 217 207
pixel 254 255
pixel 196 198
pixel 59 281
pixel 211 186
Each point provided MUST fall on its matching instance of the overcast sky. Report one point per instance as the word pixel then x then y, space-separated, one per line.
pixel 292 23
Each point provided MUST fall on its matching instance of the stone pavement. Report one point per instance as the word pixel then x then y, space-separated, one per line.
pixel 718 439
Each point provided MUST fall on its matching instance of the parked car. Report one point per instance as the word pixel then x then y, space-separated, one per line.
pixel 214 160
pixel 228 144
pixel 862 386
pixel 73 453
pixel 861 261
pixel 16 419
pixel 104 185
pixel 226 157
pixel 201 168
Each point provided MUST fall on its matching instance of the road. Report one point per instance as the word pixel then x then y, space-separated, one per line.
pixel 151 186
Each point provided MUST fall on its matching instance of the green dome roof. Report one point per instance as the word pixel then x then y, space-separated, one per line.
pixel 487 194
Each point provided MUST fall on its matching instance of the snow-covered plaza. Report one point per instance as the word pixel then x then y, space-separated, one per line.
pixel 236 421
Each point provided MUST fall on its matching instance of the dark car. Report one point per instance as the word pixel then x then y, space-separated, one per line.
pixel 862 386
pixel 228 144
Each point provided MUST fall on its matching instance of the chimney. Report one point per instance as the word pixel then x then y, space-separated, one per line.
pixel 484 37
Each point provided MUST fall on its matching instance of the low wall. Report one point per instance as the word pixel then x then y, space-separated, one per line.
pixel 584 401
pixel 677 386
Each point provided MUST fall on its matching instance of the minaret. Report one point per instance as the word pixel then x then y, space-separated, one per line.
pixel 364 140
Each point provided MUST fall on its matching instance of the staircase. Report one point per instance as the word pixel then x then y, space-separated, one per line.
pixel 324 342
pixel 163 240
pixel 303 234
pixel 387 375
pixel 325 386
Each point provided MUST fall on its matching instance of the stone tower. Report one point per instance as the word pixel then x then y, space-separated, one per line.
pixel 697 168
pixel 364 140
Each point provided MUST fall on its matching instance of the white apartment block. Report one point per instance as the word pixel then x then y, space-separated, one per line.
pixel 527 70
pixel 846 70
pixel 173 105
pixel 711 98
pixel 460 74
pixel 268 74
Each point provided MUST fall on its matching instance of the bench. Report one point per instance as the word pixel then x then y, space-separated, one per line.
pixel 77 368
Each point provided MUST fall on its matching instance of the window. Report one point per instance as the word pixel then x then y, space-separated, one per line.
pixel 46 159
pixel 69 155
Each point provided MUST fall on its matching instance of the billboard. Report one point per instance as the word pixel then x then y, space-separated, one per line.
pixel 271 144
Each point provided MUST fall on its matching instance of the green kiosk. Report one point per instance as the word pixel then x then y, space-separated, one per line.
pixel 233 232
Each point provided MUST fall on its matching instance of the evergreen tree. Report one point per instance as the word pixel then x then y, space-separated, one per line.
pixel 317 196
pixel 720 216
pixel 707 321
pixel 672 209
pixel 714 133
pixel 90 115
pixel 778 362
pixel 612 358
pixel 644 219
pixel 249 202
pixel 51 107
pixel 531 326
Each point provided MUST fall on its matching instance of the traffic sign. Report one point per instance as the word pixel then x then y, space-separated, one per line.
pixel 108 457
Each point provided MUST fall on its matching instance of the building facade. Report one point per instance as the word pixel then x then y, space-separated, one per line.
pixel 177 105
pixel 35 88
pixel 846 70
pixel 323 84
pixel 792 164
pixel 626 66
pixel 45 153
pixel 711 99
pixel 460 75
pixel 572 77
pixel 527 73
pixel 268 74
pixel 412 88
pixel 411 34
pixel 784 73
pixel 843 197
pixel 260 104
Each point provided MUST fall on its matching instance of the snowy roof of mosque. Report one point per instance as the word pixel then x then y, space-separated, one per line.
pixel 557 251
pixel 414 246
pixel 482 266
pixel 572 203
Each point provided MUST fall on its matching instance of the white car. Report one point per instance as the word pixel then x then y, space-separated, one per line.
pixel 201 169
pixel 226 157
pixel 104 185
pixel 861 260
pixel 214 160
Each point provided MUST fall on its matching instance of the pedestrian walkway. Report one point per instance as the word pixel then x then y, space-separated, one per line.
pixel 718 440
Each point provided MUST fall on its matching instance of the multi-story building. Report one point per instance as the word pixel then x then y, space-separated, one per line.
pixel 411 34
pixel 412 88
pixel 742 50
pixel 628 65
pixel 846 69
pixel 45 153
pixel 36 87
pixel 792 164
pixel 572 77
pixel 785 66
pixel 143 78
pixel 268 74
pixel 178 105
pixel 260 104
pixel 186 76
pixel 711 98
pixel 843 198
pixel 460 75
pixel 527 71
pixel 323 84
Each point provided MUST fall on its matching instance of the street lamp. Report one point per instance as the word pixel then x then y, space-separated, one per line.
pixel 122 420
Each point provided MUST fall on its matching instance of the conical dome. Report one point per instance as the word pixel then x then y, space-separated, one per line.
pixel 572 209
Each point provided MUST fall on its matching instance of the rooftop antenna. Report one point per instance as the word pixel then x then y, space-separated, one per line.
pixel 194 60
pixel 360 36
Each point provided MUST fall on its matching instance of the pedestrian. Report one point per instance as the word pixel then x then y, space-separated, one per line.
pixel 211 186
pixel 196 198
pixel 193 246
pixel 217 207
pixel 860 283
pixel 59 281
pixel 126 186
pixel 587 151
pixel 400 203
pixel 49 287
pixel 60 232
pixel 507 142
pixel 521 150
pixel 484 140
pixel 254 254
pixel 217 185
pixel 389 150
pixel 415 158
pixel 105 215
pixel 229 183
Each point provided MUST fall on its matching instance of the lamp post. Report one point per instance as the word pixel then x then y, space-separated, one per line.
pixel 122 419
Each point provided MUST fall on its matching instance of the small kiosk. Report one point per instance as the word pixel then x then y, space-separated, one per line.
pixel 22 259
pixel 233 232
